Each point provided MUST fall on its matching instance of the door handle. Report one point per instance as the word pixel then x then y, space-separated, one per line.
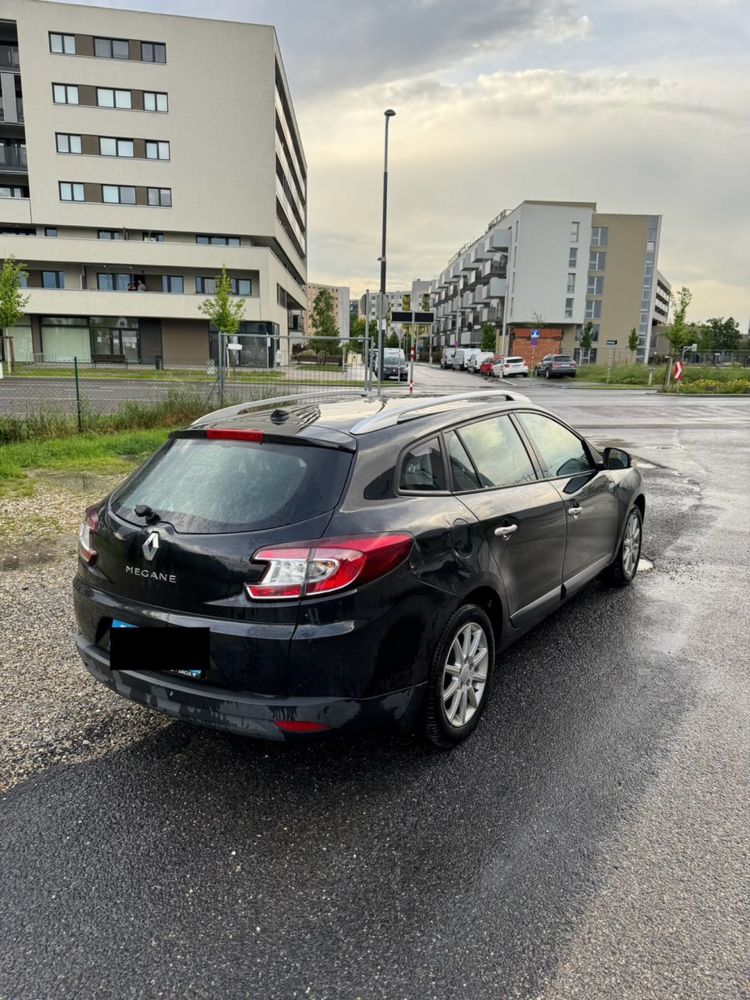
pixel 506 530
pixel 575 511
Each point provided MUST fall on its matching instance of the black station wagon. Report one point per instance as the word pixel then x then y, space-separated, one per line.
pixel 285 569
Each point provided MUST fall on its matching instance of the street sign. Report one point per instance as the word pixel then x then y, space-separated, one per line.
pixel 678 369
pixel 534 336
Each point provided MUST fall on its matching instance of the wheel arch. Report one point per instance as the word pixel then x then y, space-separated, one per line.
pixel 489 601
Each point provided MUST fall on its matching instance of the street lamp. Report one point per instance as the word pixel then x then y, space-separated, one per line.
pixel 381 332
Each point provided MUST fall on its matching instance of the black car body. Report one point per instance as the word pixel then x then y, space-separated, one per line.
pixel 394 364
pixel 416 509
pixel 557 366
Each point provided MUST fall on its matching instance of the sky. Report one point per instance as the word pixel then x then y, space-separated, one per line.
pixel 642 106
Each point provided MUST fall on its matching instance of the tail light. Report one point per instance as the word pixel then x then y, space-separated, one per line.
pixel 89 527
pixel 306 570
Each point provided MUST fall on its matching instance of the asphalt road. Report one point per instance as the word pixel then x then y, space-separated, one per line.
pixel 590 841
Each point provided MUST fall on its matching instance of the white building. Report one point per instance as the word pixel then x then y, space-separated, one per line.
pixel 140 153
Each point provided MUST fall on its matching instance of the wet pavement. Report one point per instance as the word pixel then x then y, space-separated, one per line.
pixel 589 841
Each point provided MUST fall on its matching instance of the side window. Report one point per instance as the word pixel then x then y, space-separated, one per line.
pixel 498 453
pixel 422 469
pixel 562 452
pixel 462 471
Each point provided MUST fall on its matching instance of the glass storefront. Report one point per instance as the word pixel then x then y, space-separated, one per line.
pixel 259 343
pixel 88 338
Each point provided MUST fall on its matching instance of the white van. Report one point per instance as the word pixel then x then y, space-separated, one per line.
pixel 446 358
pixel 462 357
pixel 477 358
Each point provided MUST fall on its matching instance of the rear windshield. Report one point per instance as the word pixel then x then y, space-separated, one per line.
pixel 514 361
pixel 393 353
pixel 562 357
pixel 202 486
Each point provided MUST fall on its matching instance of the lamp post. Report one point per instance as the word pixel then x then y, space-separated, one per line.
pixel 383 312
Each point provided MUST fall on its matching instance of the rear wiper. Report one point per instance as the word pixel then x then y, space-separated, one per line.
pixel 143 510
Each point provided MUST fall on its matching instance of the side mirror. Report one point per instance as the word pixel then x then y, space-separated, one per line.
pixel 616 458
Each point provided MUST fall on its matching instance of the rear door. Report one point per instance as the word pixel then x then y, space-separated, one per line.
pixel 523 518
pixel 589 495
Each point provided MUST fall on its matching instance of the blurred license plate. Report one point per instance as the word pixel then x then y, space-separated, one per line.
pixel 180 651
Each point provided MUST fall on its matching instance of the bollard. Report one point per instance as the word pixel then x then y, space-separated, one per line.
pixel 78 395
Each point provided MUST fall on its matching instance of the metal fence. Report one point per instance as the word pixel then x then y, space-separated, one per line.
pixel 244 368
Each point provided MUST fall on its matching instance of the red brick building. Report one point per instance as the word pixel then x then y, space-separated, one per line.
pixel 550 342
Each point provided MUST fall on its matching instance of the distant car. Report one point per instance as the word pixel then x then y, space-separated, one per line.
pixel 510 367
pixel 556 366
pixel 477 359
pixel 487 365
pixel 446 358
pixel 462 357
pixel 394 364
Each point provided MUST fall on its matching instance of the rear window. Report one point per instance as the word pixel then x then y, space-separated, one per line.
pixel 562 357
pixel 202 486
pixel 514 361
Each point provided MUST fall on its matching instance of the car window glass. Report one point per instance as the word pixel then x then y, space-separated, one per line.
pixel 498 453
pixel 422 469
pixel 562 452
pixel 464 476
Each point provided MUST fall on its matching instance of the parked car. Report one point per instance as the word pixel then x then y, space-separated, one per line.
pixel 289 568
pixel 489 363
pixel 446 358
pixel 394 364
pixel 462 357
pixel 556 366
pixel 476 360
pixel 510 368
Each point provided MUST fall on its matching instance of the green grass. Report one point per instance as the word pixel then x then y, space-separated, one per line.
pixel 637 375
pixel 98 453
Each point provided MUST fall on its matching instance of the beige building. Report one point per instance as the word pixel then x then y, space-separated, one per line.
pixel 340 296
pixel 139 154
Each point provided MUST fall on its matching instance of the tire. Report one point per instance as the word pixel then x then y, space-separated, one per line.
pixel 525 374
pixel 446 670
pixel 547 374
pixel 622 571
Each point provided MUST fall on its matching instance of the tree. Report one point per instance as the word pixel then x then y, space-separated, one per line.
pixel 12 302
pixel 224 311
pixel 488 337
pixel 323 323
pixel 678 333
pixel 357 330
pixel 721 334
pixel 633 344
pixel 391 341
pixel 587 339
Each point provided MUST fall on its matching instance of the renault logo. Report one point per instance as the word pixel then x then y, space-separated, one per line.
pixel 151 545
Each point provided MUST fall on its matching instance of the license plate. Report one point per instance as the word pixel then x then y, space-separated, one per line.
pixel 183 652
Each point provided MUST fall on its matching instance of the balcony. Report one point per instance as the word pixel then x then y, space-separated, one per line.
pixel 497 288
pixel 13 158
pixel 95 302
pixel 15 210
pixel 9 57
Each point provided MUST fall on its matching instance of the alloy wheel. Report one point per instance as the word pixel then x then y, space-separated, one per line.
pixel 465 674
pixel 631 544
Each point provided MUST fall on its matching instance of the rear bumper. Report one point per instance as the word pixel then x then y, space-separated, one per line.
pixel 251 715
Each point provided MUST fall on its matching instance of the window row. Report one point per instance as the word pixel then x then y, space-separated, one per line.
pixel 599 235
pixel 110 97
pixel 171 284
pixel 49 279
pixel 491 454
pixel 108 48
pixel 154 149
pixel 117 194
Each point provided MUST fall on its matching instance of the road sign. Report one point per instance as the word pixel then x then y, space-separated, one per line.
pixel 678 368
pixel 534 336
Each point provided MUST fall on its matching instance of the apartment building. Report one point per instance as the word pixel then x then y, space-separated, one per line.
pixel 554 266
pixel 139 154
pixel 415 298
pixel 340 296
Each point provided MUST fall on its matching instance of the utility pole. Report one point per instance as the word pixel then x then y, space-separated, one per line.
pixel 382 306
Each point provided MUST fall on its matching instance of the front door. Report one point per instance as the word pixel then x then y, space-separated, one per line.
pixel 523 519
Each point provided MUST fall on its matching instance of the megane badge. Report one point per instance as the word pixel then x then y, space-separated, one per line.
pixel 151 545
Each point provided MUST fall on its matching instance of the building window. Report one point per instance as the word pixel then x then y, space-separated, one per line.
pixel 238 286
pixel 151 237
pixel 68 143
pixel 569 309
pixel 64 93
pixel 599 236
pixel 153 101
pixel 160 197
pixel 106 97
pixel 113 281
pixel 597 260
pixel 205 286
pixel 218 241
pixel 62 44
pixel 172 284
pixel 70 192
pixel 575 231
pixel 573 257
pixel 118 194
pixel 109 234
pixel 157 150
pixel 53 279
pixel 593 309
pixel 50 231
pixel 115 147
pixel 111 48
pixel 596 285
pixel 571 287
pixel 153 52
pixel 241 286
pixel 23 279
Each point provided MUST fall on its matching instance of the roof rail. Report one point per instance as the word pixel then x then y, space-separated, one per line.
pixel 388 417
pixel 237 409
